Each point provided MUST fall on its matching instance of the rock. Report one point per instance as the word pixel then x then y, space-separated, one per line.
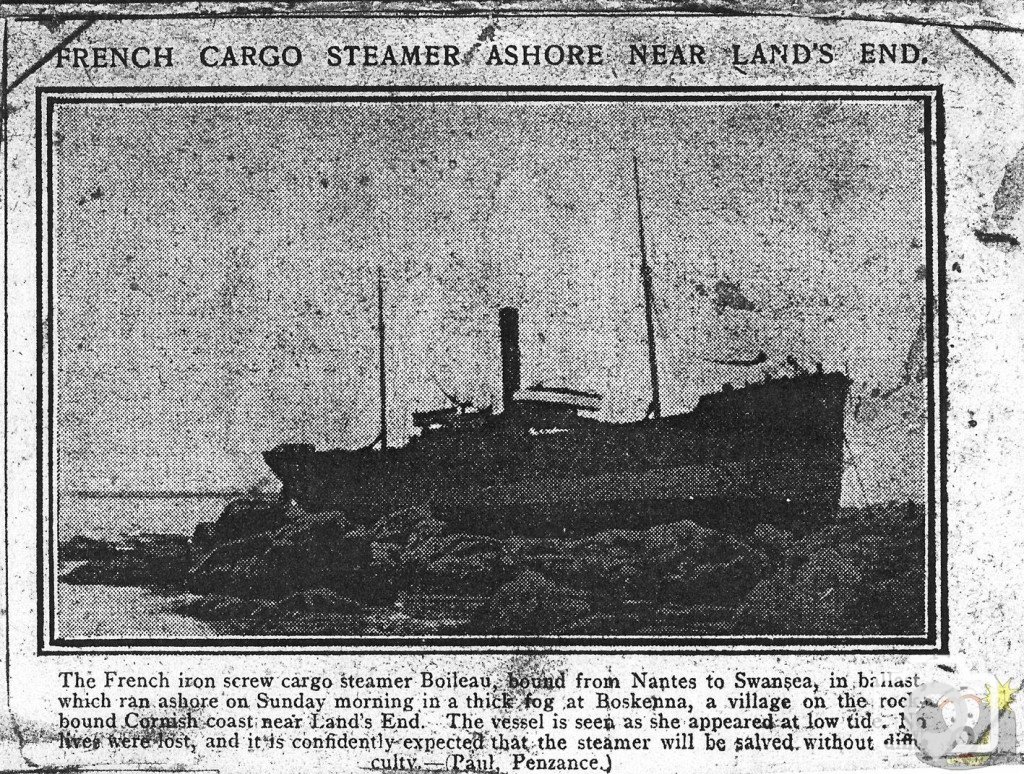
pixel 318 600
pixel 244 517
pixel 316 611
pixel 773 538
pixel 257 614
pixel 620 564
pixel 394 622
pixel 320 573
pixel 710 583
pixel 317 528
pixel 533 604
pixel 321 550
pixel 83 549
pixel 216 607
pixel 119 571
pixel 385 555
pixel 416 521
pixel 296 514
pixel 204 535
pixel 229 568
pixel 685 540
pixel 152 560
pixel 624 620
pixel 562 561
pixel 665 545
pixel 860 574
pixel 815 599
pixel 422 552
pixel 456 563
pixel 680 559
pixel 155 544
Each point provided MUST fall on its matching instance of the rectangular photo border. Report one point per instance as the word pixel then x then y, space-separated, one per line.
pixel 934 640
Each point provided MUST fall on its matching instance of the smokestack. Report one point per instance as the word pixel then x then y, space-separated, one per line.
pixel 508 322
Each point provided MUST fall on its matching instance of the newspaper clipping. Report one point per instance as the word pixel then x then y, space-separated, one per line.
pixel 513 387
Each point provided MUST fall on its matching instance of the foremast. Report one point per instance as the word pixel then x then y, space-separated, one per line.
pixel 383 377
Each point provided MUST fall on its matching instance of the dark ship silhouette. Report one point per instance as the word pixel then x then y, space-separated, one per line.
pixel 769 452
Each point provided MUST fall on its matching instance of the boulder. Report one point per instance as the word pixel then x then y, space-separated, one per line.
pixel 217 607
pixel 150 561
pixel 314 606
pixel 533 604
pixel 317 611
pixel 83 549
pixel 615 569
pixel 862 573
pixel 319 600
pixel 563 561
pixel 773 538
pixel 318 550
pixel 385 555
pixel 679 559
pixel 421 552
pixel 820 596
pixel 249 516
pixel 712 583
pixel 457 563
pixel 230 568
pixel 323 551
pixel 126 570
pixel 417 521
pixel 678 541
pixel 204 535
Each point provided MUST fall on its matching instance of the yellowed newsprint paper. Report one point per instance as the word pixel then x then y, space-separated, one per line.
pixel 511 388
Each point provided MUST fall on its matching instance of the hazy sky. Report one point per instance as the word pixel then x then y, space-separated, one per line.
pixel 216 268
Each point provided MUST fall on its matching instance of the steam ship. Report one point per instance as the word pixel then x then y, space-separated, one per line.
pixel 768 452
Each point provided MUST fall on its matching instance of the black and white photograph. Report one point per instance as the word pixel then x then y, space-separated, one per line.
pixel 644 367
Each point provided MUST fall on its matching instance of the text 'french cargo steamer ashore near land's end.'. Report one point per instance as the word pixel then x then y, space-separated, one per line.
pixel 764 452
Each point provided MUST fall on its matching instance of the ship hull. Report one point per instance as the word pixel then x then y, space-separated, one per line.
pixel 767 453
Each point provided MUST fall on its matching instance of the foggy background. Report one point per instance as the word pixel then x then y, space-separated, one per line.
pixel 216 264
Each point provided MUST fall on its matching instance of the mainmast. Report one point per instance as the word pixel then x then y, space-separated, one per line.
pixel 383 383
pixel 645 273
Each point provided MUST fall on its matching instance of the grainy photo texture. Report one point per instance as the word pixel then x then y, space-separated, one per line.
pixel 573 368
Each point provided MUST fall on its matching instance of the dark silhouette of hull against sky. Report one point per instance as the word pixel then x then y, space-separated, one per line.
pixel 765 452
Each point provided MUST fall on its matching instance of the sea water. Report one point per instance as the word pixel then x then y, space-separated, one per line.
pixel 110 518
pixel 127 611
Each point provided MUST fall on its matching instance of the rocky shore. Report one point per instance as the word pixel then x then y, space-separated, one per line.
pixel 269 567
